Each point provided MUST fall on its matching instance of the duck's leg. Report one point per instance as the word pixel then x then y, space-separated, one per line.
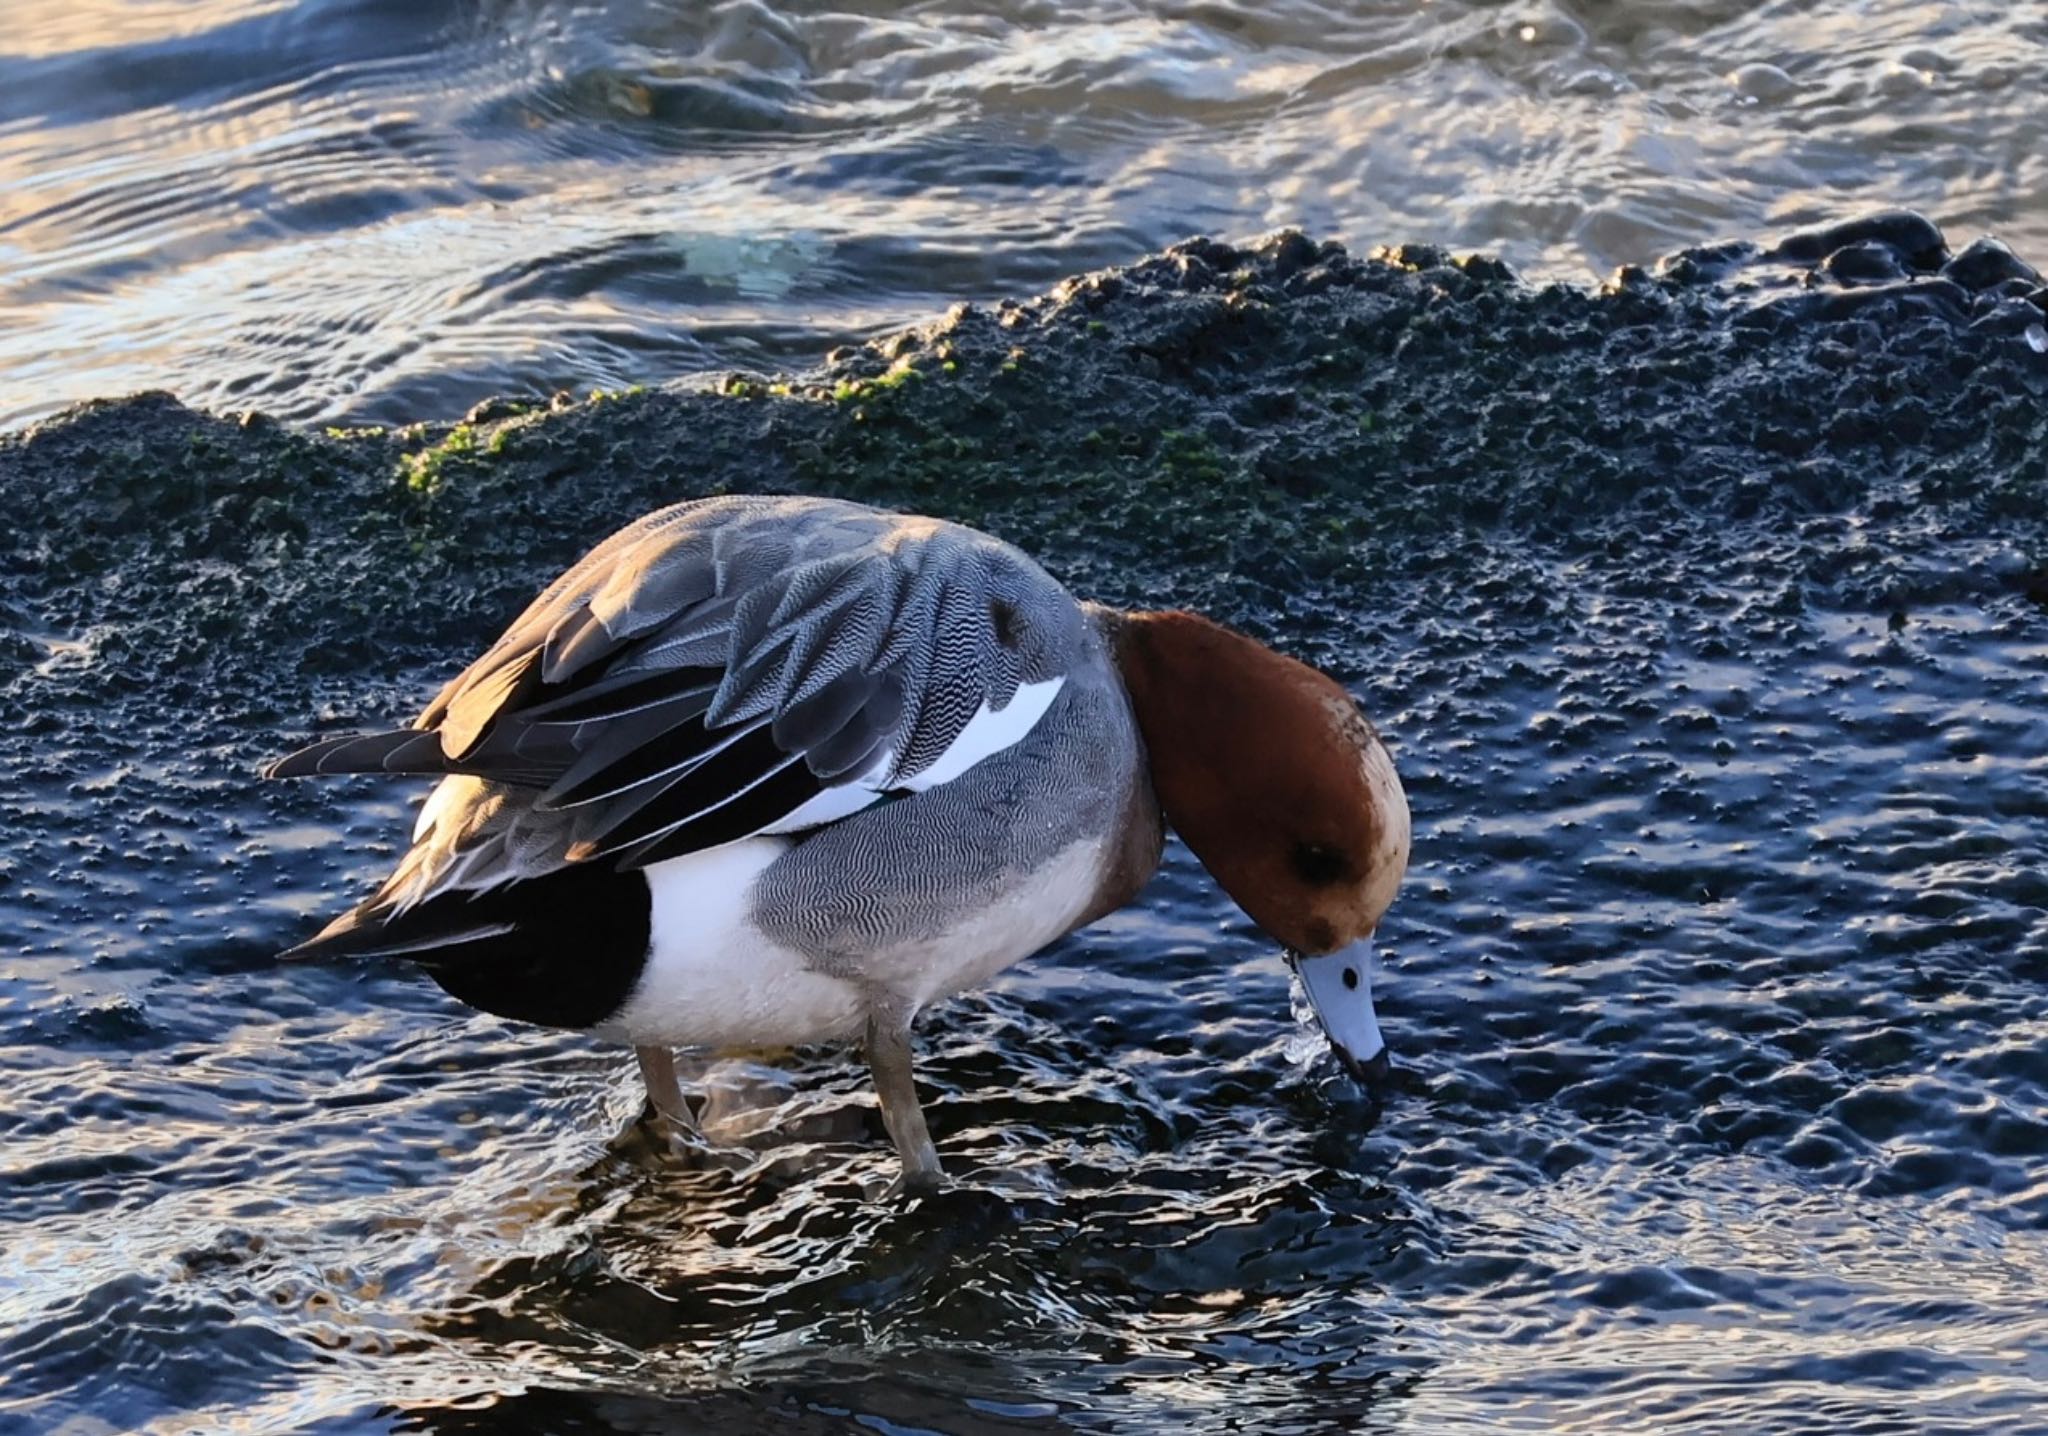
pixel 888 1044
pixel 665 1095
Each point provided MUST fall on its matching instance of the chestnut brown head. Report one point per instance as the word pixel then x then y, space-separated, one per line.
pixel 1276 781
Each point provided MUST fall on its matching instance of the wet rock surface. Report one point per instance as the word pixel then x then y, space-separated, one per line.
pixel 1708 614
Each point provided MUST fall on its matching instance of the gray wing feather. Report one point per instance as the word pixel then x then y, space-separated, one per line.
pixel 862 740
pixel 641 691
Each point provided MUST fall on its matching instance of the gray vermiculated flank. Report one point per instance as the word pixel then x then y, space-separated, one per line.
pixel 912 870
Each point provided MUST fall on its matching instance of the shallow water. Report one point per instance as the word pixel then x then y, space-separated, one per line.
pixel 1717 985
pixel 375 210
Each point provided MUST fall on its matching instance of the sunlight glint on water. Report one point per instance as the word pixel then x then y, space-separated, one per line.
pixel 388 211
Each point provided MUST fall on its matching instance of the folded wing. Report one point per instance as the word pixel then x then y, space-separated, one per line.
pixel 739 666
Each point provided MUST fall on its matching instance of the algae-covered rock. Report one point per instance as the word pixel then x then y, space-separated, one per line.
pixel 1273 429
pixel 1324 448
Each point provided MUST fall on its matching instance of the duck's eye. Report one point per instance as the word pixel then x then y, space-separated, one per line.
pixel 1320 865
pixel 1351 978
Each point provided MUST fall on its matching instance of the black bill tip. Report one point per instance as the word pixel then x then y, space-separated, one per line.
pixel 1373 1074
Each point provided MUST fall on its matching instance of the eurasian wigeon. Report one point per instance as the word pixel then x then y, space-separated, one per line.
pixel 767 771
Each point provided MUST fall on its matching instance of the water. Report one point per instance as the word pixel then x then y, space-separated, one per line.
pixel 385 210
pixel 1718 983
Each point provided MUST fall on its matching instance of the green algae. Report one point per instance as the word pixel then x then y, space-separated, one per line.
pixel 1272 427
pixel 899 375
pixel 425 471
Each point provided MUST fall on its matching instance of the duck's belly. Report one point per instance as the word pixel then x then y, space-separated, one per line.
pixel 1037 909
pixel 714 978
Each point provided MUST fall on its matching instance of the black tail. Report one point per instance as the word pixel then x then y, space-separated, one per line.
pixel 563 950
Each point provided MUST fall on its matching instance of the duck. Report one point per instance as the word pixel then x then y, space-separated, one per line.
pixel 767 771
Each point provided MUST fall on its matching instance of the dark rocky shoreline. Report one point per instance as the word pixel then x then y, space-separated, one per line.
pixel 1271 432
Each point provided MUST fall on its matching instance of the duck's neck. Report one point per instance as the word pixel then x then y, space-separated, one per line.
pixel 1194 687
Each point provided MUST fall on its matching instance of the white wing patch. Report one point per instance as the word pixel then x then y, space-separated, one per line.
pixel 449 794
pixel 988 732
pixel 842 800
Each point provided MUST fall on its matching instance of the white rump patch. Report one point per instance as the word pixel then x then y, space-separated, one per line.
pixel 988 732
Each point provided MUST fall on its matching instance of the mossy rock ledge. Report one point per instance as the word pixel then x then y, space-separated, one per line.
pixel 1294 437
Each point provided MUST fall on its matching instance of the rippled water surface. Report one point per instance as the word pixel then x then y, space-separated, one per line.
pixel 388 209
pixel 1717 987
